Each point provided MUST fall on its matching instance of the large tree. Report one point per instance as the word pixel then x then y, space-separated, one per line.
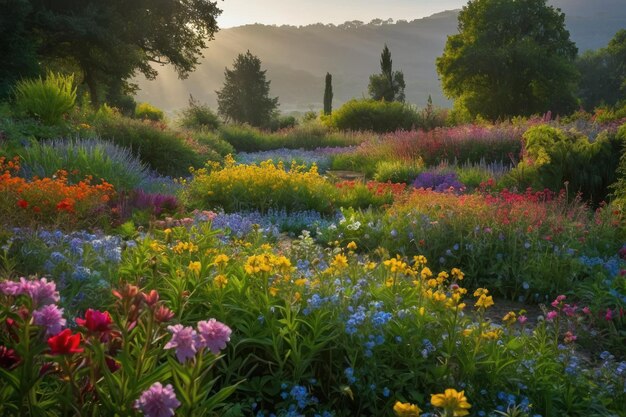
pixel 389 84
pixel 245 95
pixel 510 57
pixel 603 73
pixel 108 42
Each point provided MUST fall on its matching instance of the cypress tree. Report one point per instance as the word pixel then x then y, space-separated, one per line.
pixel 328 95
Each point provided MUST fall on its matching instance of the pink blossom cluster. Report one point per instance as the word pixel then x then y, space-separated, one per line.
pixel 210 334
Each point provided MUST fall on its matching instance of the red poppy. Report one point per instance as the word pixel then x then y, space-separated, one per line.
pixel 65 343
pixel 22 203
pixel 67 204
pixel 95 321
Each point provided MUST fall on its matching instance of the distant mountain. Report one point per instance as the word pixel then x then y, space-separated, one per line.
pixel 297 58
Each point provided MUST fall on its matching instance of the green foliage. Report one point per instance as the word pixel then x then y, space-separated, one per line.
pixel 18 54
pixel 388 85
pixel 48 100
pixel 556 159
pixel 278 122
pixel 213 141
pixel 198 116
pixel 377 116
pixel 80 158
pixel 307 136
pixel 163 150
pixel 510 58
pixel 147 111
pixel 107 43
pixel 245 95
pixel 619 187
pixel 328 94
pixel 398 171
pixel 603 74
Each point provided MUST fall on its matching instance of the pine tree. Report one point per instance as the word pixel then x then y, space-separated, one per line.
pixel 328 95
pixel 245 95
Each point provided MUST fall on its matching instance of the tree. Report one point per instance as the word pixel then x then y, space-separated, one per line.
pixel 388 85
pixel 109 42
pixel 328 95
pixel 245 95
pixel 509 58
pixel 603 73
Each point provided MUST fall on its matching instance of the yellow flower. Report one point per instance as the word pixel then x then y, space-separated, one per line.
pixel 485 301
pixel 221 260
pixel 351 246
pixel 426 273
pixel 340 262
pixel 167 231
pixel 195 267
pixel 454 403
pixel 492 334
pixel 301 282
pixel 481 291
pixel 420 260
pixel 370 266
pixel 257 263
pixel 406 409
pixel 432 283
pixel 510 318
pixel 457 273
pixel 220 280
pixel 273 291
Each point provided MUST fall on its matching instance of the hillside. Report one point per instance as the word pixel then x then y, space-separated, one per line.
pixel 297 58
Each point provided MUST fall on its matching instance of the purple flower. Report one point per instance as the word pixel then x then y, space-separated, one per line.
pixel 213 335
pixel 51 317
pixel 438 181
pixel 184 339
pixel 41 291
pixel 158 401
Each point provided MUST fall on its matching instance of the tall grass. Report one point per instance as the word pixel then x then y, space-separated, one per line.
pixel 46 99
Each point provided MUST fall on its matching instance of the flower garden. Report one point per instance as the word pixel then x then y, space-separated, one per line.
pixel 470 270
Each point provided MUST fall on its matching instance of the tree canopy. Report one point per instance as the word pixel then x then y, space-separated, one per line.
pixel 389 84
pixel 108 42
pixel 245 95
pixel 510 58
pixel 603 73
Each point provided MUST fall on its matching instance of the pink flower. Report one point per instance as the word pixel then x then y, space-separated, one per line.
pixel 95 321
pixel 609 315
pixel 12 288
pixel 41 291
pixel 586 310
pixel 184 339
pixel 522 319
pixel 570 337
pixel 213 335
pixel 158 401
pixel 51 317
pixel 551 315
pixel 558 301
pixel 570 310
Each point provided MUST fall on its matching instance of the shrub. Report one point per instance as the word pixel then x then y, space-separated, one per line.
pixel 377 116
pixel 50 200
pixel 199 116
pixel 163 150
pixel 268 186
pixel 97 158
pixel 213 141
pixel 281 122
pixel 361 195
pixel 147 111
pixel 48 100
pixel 398 171
pixel 440 181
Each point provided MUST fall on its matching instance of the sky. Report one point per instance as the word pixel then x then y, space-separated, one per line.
pixel 304 12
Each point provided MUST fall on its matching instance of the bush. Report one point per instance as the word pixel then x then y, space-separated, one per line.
pixel 147 111
pixel 163 150
pixel 199 116
pixel 398 171
pixel 556 159
pixel 377 116
pixel 268 186
pixel 47 100
pixel 213 141
pixel 97 158
pixel 281 122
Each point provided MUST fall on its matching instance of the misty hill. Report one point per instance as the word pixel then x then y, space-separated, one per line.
pixel 297 58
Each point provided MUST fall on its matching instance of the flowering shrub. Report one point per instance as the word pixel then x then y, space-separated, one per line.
pixel 50 201
pixel 438 181
pixel 372 193
pixel 267 186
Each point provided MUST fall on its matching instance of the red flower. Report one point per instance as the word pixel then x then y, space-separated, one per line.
pixel 67 204
pixel 22 203
pixel 95 321
pixel 65 343
pixel 8 357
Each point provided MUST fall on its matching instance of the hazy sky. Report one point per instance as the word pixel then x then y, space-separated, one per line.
pixel 303 12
